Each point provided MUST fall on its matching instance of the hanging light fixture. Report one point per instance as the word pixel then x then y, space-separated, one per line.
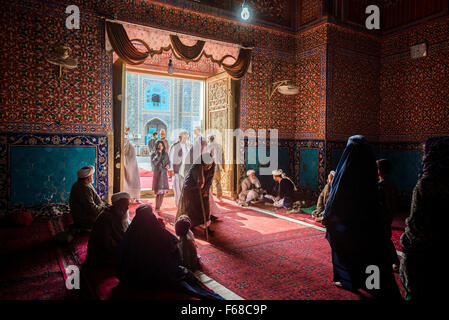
pixel 245 11
pixel 170 67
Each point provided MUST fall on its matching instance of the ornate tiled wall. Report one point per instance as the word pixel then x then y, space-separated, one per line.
pixel 35 100
pixel 33 96
pixel 258 112
pixel 415 92
pixel 336 68
pixel 353 86
pixel 52 172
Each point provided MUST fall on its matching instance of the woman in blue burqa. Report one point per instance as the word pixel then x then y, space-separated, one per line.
pixel 355 226
pixel 149 258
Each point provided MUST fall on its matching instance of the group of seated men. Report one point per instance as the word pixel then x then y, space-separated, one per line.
pixel 281 195
pixel 142 252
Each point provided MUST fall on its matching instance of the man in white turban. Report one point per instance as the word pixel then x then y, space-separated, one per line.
pixel 85 204
pixel 177 154
pixel 108 231
pixel 251 189
pixel 282 193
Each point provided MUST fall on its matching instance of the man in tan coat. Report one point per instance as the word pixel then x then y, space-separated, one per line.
pixel 251 189
pixel 322 199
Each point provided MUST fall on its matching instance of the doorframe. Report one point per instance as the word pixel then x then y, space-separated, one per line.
pixel 121 124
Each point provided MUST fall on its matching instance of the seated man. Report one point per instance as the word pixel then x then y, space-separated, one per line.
pixel 108 232
pixel 284 187
pixel 85 204
pixel 322 199
pixel 251 189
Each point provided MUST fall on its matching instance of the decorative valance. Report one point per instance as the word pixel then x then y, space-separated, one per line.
pixel 187 52
pixel 183 47
pixel 122 45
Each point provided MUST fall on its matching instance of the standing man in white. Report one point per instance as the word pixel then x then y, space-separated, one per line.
pixel 131 183
pixel 177 153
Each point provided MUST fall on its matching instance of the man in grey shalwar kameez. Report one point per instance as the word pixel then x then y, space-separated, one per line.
pixel 85 204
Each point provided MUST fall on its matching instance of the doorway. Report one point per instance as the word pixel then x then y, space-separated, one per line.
pixel 153 101
pixel 160 104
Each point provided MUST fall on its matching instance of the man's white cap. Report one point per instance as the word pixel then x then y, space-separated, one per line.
pixel 277 172
pixel 332 172
pixel 250 172
pixel 85 172
pixel 120 195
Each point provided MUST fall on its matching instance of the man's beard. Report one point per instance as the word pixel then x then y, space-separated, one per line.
pixel 254 180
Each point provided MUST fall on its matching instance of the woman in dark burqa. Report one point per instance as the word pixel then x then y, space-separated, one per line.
pixel 149 258
pixel 194 200
pixel 425 236
pixel 355 226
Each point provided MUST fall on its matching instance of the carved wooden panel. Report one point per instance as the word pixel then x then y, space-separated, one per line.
pixel 219 117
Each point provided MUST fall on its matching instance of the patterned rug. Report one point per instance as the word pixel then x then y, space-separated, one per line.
pixel 258 256
pixel 397 226
pixel 30 268
pixel 255 255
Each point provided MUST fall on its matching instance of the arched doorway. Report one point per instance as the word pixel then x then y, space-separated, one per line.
pixel 154 125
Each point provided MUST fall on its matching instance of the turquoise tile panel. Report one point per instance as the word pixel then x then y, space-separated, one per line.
pixel 42 175
pixel 308 175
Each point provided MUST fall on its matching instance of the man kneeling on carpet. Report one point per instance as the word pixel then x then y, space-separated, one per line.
pixel 251 189
pixel 282 194
pixel 322 199
pixel 108 232
pixel 85 204
pixel 149 258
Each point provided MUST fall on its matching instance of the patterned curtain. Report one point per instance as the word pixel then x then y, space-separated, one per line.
pixel 238 69
pixel 122 45
pixel 124 48
pixel 187 53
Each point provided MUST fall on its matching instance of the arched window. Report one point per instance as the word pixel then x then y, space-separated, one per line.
pixel 155 97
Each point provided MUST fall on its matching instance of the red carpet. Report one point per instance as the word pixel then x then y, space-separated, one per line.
pixel 397 226
pixel 255 255
pixel 146 182
pixel 29 268
pixel 258 256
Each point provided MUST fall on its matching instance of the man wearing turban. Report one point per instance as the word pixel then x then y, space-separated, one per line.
pixel 85 204
pixel 251 189
pixel 282 194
